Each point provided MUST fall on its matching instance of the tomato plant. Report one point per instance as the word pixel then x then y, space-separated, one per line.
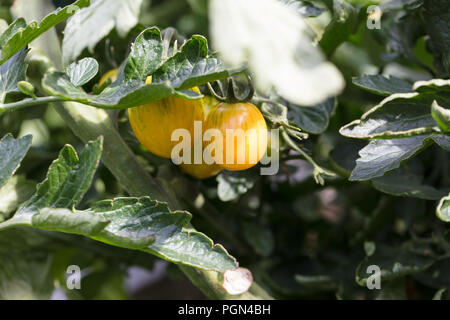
pixel 257 149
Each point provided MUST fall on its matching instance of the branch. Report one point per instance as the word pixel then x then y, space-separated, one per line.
pixel 27 103
pixel 319 172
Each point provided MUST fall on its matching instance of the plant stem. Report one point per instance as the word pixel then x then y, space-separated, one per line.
pixel 318 170
pixel 27 103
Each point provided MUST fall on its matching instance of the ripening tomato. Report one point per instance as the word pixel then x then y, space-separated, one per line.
pixel 243 132
pixel 210 103
pixel 111 74
pixel 203 170
pixel 154 123
pixel 200 171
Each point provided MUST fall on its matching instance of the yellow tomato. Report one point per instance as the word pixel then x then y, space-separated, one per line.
pixel 203 170
pixel 200 171
pixel 243 132
pixel 154 123
pixel 111 74
pixel 210 103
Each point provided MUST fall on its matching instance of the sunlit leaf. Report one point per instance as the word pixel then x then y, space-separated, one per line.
pixel 381 156
pixel 12 152
pixel 89 25
pixel 23 36
pixel 11 72
pixel 81 72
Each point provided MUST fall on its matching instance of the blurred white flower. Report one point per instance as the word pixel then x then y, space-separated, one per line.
pixel 274 42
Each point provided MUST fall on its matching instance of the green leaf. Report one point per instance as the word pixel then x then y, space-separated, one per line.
pixel 344 23
pixel 230 187
pixel 119 95
pixel 434 86
pixel 277 114
pixel 68 179
pixel 402 182
pixel 442 116
pixel 23 36
pixel 11 72
pixel 192 66
pixel 65 220
pixel 146 55
pixel 443 209
pixel 395 262
pixel 313 119
pixel 11 30
pixel 187 68
pixel 345 154
pixel 97 21
pixel 14 192
pixel 381 85
pixel 402 114
pixel 81 72
pixel 443 141
pixel 381 156
pixel 161 232
pixel 12 152
pixel 399 115
pixel 400 34
pixel 143 224
pixel 436 16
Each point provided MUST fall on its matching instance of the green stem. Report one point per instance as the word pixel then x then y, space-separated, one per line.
pixel 259 100
pixel 318 170
pixel 27 103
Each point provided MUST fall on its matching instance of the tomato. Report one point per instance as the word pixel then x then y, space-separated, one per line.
pixel 200 171
pixel 250 143
pixel 203 170
pixel 210 103
pixel 111 74
pixel 153 123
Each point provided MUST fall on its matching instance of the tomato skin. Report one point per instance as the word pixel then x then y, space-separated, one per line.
pixel 210 104
pixel 153 123
pixel 200 171
pixel 203 170
pixel 245 116
pixel 111 74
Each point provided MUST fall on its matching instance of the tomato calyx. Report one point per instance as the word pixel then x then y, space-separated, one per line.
pixel 231 97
